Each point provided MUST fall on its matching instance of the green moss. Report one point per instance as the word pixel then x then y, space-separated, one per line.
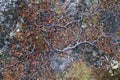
pixel 78 71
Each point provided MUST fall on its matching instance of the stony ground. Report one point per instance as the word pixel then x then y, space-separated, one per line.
pixel 53 39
